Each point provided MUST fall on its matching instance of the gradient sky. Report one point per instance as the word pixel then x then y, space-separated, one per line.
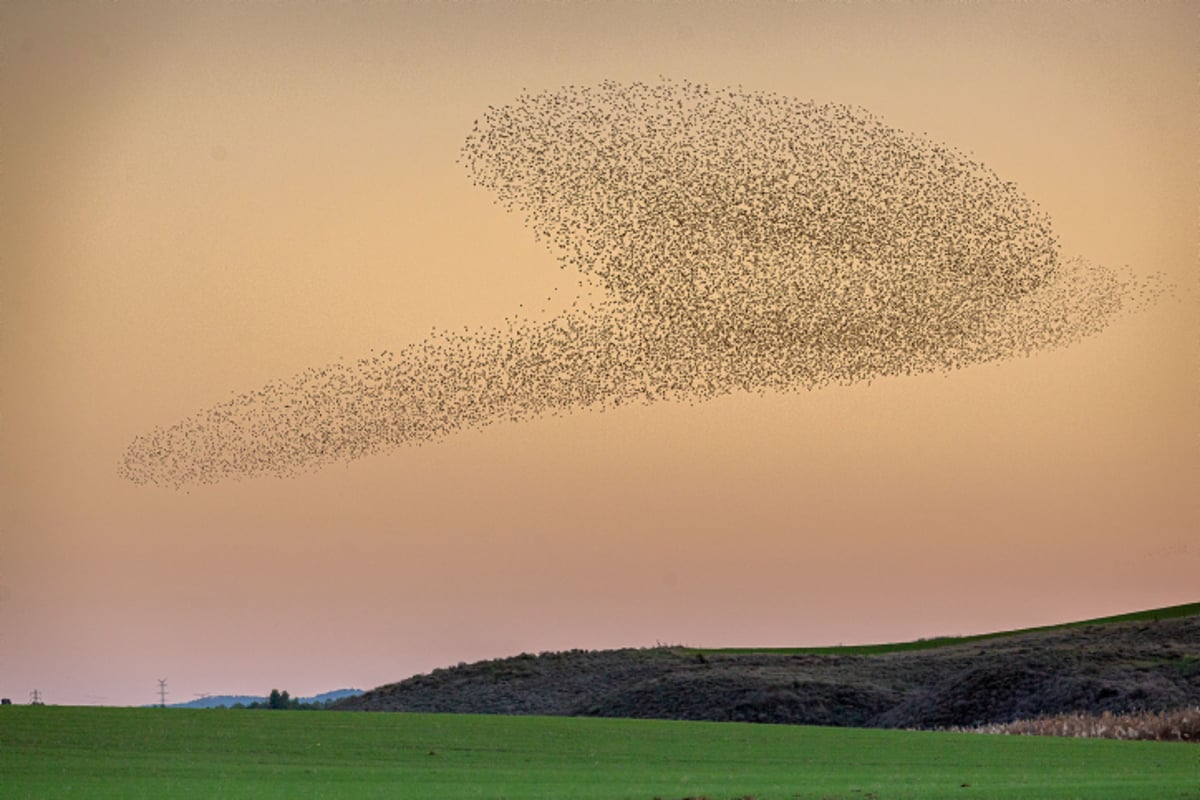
pixel 198 199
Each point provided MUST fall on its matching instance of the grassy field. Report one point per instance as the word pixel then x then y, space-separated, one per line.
pixel 62 752
pixel 1151 615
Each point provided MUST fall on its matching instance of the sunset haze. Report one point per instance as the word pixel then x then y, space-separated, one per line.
pixel 199 200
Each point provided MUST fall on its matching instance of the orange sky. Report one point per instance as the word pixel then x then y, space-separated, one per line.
pixel 197 200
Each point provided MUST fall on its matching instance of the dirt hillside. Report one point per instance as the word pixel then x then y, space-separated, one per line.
pixel 1118 667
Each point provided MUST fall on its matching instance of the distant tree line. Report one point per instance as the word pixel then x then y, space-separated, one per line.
pixel 282 701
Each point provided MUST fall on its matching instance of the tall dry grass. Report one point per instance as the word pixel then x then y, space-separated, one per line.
pixel 1180 725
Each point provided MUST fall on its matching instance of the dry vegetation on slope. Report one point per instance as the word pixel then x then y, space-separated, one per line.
pixel 1180 725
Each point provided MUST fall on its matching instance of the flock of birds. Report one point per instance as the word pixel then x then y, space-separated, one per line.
pixel 740 241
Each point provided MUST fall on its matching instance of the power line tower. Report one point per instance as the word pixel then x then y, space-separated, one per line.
pixel 35 698
pixel 162 692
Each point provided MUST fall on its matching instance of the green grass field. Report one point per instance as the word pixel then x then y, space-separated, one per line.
pixel 1151 615
pixel 57 752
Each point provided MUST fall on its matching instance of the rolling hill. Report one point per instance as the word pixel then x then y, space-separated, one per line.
pixel 1134 662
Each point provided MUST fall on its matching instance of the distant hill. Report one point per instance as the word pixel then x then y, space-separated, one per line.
pixel 230 700
pixel 219 701
pixel 1144 661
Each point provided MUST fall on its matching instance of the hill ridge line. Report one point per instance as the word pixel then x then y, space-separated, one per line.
pixel 1149 615
pixel 1145 661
